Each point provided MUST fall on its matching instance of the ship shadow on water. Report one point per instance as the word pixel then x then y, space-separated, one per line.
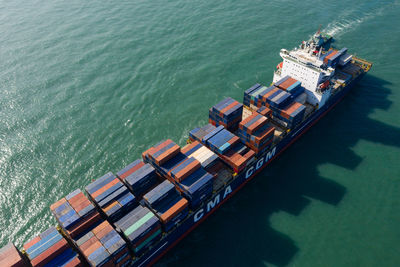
pixel 240 232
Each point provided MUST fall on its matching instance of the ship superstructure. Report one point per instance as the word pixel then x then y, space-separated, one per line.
pixel 313 63
pixel 134 217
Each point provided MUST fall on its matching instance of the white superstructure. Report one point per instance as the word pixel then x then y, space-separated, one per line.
pixel 306 65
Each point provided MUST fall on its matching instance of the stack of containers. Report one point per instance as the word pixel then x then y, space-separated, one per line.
pixel 292 114
pixel 51 249
pixel 198 133
pixel 139 177
pixel 237 156
pixel 248 98
pixel 141 228
pixel 271 97
pixel 352 69
pixel 103 246
pixel 205 156
pixel 10 256
pixel 256 132
pixel 323 56
pixel 342 77
pixel 220 140
pixel 184 169
pixel 227 113
pixel 186 173
pixel 266 112
pixel 173 157
pixel 169 206
pixel 290 85
pixel 75 214
pixel 111 196
pixel 332 59
pixel 197 187
pixel 162 152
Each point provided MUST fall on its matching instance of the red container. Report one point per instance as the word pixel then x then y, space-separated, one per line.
pixel 32 242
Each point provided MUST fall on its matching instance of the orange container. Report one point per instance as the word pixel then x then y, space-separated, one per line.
pixel 266 112
pixel 74 263
pixel 222 112
pixel 329 56
pixel 188 170
pixel 57 204
pixel 137 167
pixel 88 243
pixel 174 210
pixel 286 84
pixel 105 188
pixel 92 248
pixel 168 154
pixel 189 146
pixel 100 227
pixel 264 97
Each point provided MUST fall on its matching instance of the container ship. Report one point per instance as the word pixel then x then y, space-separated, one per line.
pixel 133 217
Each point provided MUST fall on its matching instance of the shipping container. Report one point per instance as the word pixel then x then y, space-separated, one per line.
pixel 111 196
pixel 168 205
pixel 50 249
pixel 103 246
pixel 76 214
pixel 11 257
pixel 141 228
pixel 226 113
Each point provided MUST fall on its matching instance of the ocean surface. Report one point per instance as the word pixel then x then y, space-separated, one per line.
pixel 86 86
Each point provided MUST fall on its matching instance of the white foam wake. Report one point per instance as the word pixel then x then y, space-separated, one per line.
pixel 351 20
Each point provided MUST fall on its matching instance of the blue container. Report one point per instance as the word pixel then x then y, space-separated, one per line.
pixel 197 186
pixel 212 133
pixel 127 168
pixel 159 193
pixel 223 104
pixel 251 89
pixel 99 183
pixel 142 179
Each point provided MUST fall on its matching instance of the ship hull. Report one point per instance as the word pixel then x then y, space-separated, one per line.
pixel 206 209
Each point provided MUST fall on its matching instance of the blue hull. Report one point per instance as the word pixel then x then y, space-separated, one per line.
pixel 211 205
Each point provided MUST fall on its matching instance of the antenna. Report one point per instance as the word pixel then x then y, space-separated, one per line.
pixel 319 28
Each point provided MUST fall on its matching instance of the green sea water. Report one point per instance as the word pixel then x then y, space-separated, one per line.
pixel 86 86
